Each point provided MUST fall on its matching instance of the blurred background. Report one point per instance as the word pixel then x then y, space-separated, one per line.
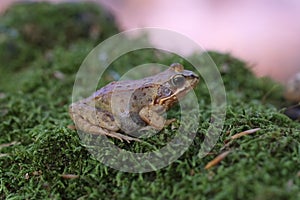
pixel 264 33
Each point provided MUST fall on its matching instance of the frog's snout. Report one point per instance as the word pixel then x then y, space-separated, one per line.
pixel 194 79
pixel 195 76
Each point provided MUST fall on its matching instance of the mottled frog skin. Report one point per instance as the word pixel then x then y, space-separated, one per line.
pixel 121 108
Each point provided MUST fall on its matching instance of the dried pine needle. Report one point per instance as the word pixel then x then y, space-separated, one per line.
pixel 69 176
pixel 238 135
pixel 216 160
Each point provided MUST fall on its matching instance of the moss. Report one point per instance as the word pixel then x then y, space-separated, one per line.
pixel 33 112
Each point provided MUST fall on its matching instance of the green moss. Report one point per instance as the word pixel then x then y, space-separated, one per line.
pixel 33 112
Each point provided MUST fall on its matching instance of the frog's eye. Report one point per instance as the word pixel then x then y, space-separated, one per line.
pixel 178 81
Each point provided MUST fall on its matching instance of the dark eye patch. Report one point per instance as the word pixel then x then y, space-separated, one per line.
pixel 164 91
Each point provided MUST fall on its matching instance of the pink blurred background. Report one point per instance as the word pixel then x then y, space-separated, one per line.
pixel 264 33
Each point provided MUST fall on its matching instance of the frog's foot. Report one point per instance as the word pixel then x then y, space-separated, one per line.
pixel 151 128
pixel 124 137
pixel 96 130
pixel 170 121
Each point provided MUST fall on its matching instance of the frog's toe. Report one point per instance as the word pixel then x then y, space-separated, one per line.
pixel 125 137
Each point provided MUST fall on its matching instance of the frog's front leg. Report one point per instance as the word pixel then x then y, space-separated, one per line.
pixel 153 116
pixel 95 121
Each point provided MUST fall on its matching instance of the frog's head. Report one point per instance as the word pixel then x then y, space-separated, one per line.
pixel 178 82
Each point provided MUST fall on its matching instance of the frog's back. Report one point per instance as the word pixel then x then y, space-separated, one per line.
pixel 132 93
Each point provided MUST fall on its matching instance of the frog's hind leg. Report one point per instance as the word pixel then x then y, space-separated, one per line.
pixel 97 130
pixel 95 121
pixel 86 115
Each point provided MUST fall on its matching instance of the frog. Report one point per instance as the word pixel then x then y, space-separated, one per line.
pixel 121 108
pixel 292 94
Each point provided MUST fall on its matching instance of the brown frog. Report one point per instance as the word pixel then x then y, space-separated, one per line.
pixel 121 108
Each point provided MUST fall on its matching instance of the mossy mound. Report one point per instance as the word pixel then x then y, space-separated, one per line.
pixel 41 158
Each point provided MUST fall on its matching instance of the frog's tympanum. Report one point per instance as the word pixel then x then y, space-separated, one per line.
pixel 121 108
